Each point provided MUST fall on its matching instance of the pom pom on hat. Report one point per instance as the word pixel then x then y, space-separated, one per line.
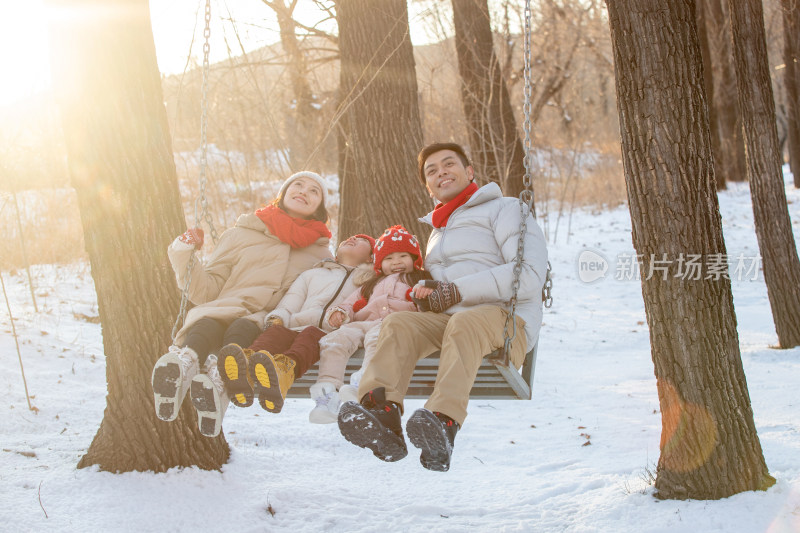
pixel 397 239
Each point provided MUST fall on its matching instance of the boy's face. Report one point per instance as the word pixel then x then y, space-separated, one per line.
pixel 354 251
pixel 445 175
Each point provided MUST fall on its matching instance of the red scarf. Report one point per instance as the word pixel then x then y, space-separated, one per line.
pixel 296 232
pixel 442 212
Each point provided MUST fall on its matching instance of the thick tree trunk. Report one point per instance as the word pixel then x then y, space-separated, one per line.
pixel 771 213
pixel 495 146
pixel 379 121
pixel 120 159
pixel 730 159
pixel 709 445
pixel 791 58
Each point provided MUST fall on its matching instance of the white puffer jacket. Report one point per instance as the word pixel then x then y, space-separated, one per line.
pixel 477 250
pixel 313 292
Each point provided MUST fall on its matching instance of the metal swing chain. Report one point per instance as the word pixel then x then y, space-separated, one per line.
pixel 526 204
pixel 201 202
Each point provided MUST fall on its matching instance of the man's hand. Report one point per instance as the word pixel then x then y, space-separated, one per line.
pixel 193 236
pixel 336 319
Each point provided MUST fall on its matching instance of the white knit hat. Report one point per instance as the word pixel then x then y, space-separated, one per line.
pixel 306 174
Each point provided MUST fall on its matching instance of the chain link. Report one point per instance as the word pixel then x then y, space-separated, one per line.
pixel 201 212
pixel 526 204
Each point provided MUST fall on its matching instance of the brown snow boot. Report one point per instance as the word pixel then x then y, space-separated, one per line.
pixel 272 376
pixel 233 364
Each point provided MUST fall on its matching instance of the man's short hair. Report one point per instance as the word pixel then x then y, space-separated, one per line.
pixel 432 148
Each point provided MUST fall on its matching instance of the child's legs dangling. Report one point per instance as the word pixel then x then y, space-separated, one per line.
pixel 305 350
pixel 275 339
pixel 336 348
pixel 370 343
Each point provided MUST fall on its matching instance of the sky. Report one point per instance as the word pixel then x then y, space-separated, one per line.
pixel 24 47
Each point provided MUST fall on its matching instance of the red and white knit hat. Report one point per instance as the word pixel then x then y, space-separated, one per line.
pixel 396 239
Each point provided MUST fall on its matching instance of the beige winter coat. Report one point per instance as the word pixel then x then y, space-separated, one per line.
pixel 317 289
pixel 246 275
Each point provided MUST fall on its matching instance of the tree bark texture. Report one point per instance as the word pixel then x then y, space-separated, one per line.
pixel 495 146
pixel 791 58
pixel 771 212
pixel 726 123
pixel 709 445
pixel 379 121
pixel 108 90
pixel 708 83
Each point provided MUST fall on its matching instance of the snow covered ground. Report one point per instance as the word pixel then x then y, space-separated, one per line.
pixel 579 457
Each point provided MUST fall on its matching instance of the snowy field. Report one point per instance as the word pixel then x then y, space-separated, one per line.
pixel 579 457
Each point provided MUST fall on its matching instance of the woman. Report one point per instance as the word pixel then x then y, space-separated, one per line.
pixel 245 277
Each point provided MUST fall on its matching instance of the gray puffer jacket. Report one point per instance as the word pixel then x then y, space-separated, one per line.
pixel 477 250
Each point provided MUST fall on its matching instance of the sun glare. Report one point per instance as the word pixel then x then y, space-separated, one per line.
pixel 24 55
pixel 23 50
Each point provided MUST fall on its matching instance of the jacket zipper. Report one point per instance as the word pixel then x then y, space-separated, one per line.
pixel 327 305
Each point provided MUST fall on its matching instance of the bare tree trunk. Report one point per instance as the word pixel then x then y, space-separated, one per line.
pixel 771 213
pixel 708 82
pixel 302 114
pixel 496 149
pixel 379 121
pixel 709 445
pixel 791 58
pixel 730 160
pixel 108 90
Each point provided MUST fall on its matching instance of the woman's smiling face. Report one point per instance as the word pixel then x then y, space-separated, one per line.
pixel 302 198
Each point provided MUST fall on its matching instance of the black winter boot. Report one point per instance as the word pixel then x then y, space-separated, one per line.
pixel 434 433
pixel 375 424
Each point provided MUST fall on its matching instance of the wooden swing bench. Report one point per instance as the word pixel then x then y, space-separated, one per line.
pixel 494 382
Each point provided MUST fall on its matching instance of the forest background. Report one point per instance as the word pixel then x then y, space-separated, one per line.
pixel 256 139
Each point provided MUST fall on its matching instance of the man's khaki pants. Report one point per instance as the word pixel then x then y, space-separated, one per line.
pixel 464 338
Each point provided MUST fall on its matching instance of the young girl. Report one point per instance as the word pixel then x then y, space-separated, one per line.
pixel 398 265
pixel 248 272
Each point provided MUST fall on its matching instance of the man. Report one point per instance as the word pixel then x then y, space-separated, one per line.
pixel 471 254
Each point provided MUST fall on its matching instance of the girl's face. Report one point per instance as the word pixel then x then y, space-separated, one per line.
pixel 397 262
pixel 303 197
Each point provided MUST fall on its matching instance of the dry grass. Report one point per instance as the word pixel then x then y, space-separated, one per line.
pixel 50 228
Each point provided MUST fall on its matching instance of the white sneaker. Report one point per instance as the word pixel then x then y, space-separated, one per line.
pixel 209 398
pixel 327 399
pixel 355 377
pixel 348 393
pixel 172 374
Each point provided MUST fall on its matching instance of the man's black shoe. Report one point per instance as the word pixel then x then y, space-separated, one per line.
pixel 434 433
pixel 375 424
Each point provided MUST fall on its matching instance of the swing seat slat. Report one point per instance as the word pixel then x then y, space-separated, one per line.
pixel 494 382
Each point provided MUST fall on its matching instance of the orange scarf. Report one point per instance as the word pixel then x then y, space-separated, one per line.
pixel 296 232
pixel 442 212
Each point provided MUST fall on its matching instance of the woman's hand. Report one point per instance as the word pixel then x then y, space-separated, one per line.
pixel 336 319
pixel 193 236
